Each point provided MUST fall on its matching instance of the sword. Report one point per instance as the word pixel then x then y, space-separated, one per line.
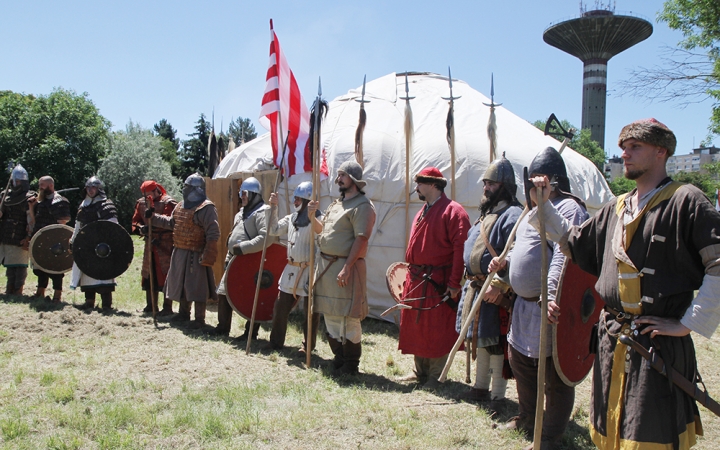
pixel 687 386
pixel 67 190
pixel 450 125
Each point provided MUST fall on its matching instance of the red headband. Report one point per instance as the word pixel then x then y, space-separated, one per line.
pixel 151 185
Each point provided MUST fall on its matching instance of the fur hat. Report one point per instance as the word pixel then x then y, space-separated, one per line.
pixel 431 175
pixel 650 131
pixel 354 171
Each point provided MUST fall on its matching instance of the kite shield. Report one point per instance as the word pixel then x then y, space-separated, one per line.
pixel 241 279
pixel 103 250
pixel 580 307
pixel 50 249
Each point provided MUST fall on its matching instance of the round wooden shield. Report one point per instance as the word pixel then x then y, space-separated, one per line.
pixel 395 277
pixel 103 250
pixel 580 307
pixel 50 249
pixel 242 276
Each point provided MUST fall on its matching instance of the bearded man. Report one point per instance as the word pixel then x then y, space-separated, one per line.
pixel 49 209
pixel 499 211
pixel 435 257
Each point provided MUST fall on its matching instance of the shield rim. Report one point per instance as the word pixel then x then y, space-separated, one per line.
pixel 390 269
pixel 34 238
pixel 596 315
pixel 132 246
pixel 276 284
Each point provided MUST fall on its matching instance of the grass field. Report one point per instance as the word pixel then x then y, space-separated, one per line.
pixel 76 380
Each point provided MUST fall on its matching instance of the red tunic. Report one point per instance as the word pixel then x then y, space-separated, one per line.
pixel 436 242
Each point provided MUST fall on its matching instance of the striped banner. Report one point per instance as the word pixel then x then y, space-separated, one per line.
pixel 285 113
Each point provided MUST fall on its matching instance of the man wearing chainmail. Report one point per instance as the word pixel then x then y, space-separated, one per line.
pixel 16 222
pixel 50 208
pixel 340 286
pixel 95 206
pixel 190 279
pixel 435 258
pixel 499 211
pixel 247 236
pixel 294 279
pixel 154 196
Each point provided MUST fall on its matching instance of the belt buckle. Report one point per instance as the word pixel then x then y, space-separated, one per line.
pixel 621 316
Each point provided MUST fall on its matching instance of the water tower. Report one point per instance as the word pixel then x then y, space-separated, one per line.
pixel 594 38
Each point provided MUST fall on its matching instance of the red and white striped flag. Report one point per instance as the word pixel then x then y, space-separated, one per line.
pixel 285 113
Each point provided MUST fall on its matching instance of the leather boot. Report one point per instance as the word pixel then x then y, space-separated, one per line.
pixel 224 317
pixel 256 328
pixel 89 301
pixel 148 302
pixel 351 353
pixel 337 349
pixel 199 321
pixel 20 277
pixel 167 307
pixel 106 301
pixel 40 293
pixel 183 314
pixel 57 296
pixel 10 286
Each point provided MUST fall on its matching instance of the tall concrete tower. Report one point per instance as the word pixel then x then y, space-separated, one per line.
pixel 595 37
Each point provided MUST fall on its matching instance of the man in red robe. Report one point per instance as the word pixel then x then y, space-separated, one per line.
pixel 156 197
pixel 432 286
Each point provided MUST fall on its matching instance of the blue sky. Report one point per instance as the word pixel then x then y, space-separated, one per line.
pixel 148 60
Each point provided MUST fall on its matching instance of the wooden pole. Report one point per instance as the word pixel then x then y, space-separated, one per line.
pixel 476 305
pixel 151 284
pixel 262 257
pixel 540 403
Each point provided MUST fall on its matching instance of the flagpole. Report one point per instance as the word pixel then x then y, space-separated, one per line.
pixel 408 152
pixel 317 148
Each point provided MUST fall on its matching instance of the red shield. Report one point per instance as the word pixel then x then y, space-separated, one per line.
pixel 580 307
pixel 242 275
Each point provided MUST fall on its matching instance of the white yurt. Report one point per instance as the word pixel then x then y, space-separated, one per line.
pixel 385 161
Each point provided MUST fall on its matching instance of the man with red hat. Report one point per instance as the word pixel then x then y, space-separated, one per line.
pixel 161 246
pixel 651 250
pixel 435 255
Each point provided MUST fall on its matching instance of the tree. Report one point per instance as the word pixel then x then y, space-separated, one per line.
pixel 690 73
pixel 193 153
pixel 241 131
pixel 702 181
pixel 62 135
pixel 581 143
pixel 170 145
pixel 133 157
pixel 621 185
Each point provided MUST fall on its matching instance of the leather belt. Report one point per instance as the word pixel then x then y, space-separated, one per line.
pixel 302 265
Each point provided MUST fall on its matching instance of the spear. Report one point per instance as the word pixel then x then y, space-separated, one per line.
pixel 10 167
pixel 492 123
pixel 408 153
pixel 450 125
pixel 361 127
pixel 264 251
pixel 319 108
